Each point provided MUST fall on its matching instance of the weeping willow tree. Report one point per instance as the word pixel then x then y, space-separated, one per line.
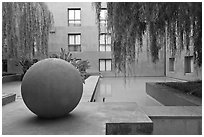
pixel 25 29
pixel 173 23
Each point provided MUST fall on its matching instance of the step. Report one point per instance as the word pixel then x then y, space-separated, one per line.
pixel 8 98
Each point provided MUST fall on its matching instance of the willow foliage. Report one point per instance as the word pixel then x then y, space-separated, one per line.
pixel 128 22
pixel 25 27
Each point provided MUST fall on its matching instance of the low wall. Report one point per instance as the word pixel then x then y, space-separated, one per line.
pixel 11 78
pixel 8 98
pixel 171 97
pixel 177 125
pixel 89 88
pixel 175 120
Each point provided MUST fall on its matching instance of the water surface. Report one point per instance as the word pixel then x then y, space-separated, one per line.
pixel 131 89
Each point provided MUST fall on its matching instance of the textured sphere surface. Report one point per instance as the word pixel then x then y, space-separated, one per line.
pixel 52 88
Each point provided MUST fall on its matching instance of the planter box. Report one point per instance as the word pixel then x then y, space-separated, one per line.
pixel 11 78
pixel 171 97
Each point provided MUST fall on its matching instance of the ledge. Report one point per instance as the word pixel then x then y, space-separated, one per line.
pixel 173 111
pixel 11 78
pixel 89 88
pixel 8 98
pixel 175 120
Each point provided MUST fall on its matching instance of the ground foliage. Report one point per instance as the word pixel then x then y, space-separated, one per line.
pixel 80 65
pixel 177 23
pixel 191 87
pixel 25 25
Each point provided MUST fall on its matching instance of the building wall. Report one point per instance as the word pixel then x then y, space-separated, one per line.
pixel 88 29
pixel 179 66
pixel 90 40
pixel 90 46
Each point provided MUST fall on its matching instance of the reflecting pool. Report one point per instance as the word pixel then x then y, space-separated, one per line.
pixel 131 89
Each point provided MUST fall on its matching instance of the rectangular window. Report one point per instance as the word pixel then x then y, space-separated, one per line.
pixel 105 65
pixel 103 21
pixel 74 42
pixel 74 16
pixel 103 14
pixel 4 46
pixel 171 64
pixel 4 65
pixel 105 42
pixel 188 64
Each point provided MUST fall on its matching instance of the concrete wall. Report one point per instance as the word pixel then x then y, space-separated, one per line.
pixel 88 29
pixel 90 46
pixel 143 65
pixel 177 125
pixel 175 120
pixel 90 41
pixel 179 71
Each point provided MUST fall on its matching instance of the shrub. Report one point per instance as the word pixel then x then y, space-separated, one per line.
pixel 80 65
pixel 191 87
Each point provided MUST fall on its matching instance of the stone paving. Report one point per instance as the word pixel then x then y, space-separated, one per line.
pixel 86 119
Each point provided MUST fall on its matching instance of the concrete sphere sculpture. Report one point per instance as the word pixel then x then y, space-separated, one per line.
pixel 52 88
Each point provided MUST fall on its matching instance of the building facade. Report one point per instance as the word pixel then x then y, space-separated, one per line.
pixel 182 65
pixel 76 30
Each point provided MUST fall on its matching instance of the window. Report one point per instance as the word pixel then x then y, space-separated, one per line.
pixel 74 42
pixel 74 17
pixel 35 50
pixel 188 64
pixel 105 37
pixel 105 42
pixel 105 64
pixel 171 64
pixel 103 14
pixel 103 21
pixel 4 65
pixel 4 46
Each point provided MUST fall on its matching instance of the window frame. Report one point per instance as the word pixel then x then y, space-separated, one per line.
pixel 171 62
pixel 105 65
pixel 105 42
pixel 74 34
pixel 106 33
pixel 105 22
pixel 188 64
pixel 74 20
pixel 4 65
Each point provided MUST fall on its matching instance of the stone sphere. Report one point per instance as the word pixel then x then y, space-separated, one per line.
pixel 52 88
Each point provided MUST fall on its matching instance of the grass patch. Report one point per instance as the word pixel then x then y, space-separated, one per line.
pixel 191 87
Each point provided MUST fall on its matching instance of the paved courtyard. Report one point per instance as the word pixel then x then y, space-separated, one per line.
pixel 92 118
